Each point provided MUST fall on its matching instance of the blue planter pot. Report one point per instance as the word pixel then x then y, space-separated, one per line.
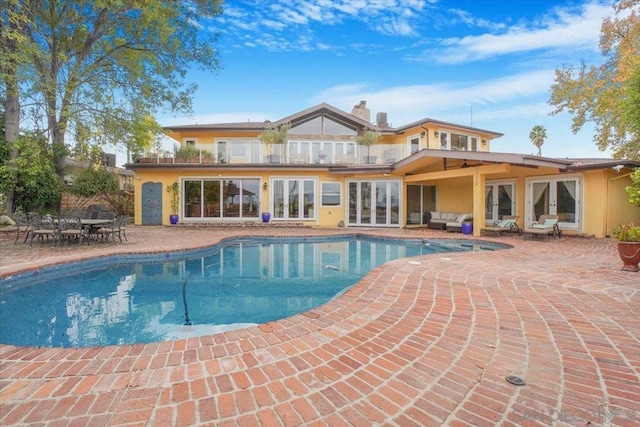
pixel 173 219
pixel 266 216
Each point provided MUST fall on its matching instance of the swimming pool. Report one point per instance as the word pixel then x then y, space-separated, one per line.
pixel 158 297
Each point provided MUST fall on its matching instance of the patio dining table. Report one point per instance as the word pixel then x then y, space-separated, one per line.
pixel 92 225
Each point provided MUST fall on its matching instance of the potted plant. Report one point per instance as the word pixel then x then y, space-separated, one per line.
pixel 187 154
pixel 367 139
pixel 272 136
pixel 628 236
pixel 174 199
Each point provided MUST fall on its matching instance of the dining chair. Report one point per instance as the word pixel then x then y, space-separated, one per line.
pixel 42 227
pixel 71 228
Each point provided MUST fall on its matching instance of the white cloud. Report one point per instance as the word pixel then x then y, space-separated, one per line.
pixel 563 29
pixel 408 103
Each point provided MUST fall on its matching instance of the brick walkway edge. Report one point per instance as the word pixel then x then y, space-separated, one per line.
pixel 420 342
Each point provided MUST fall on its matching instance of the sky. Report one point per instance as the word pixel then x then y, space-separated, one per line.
pixel 488 64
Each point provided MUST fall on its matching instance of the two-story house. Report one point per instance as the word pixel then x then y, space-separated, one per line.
pixel 321 176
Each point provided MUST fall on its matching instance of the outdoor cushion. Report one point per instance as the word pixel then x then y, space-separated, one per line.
pixel 435 215
pixel 505 223
pixel 548 223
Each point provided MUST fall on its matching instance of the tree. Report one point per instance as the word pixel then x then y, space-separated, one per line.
pixel 13 49
pixel 103 67
pixel 93 182
pixel 537 136
pixel 367 139
pixel 631 104
pixel 31 175
pixel 594 93
pixel 634 189
pixel 274 135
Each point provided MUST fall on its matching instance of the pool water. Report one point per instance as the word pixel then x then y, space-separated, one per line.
pixel 152 298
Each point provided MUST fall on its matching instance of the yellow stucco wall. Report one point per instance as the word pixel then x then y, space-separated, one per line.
pixel 325 215
pixel 620 211
pixel 604 201
pixel 455 195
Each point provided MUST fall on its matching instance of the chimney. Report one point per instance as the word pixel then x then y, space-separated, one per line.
pixel 361 111
pixel 381 120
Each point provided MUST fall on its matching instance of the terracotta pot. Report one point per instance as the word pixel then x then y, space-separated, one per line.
pixel 630 255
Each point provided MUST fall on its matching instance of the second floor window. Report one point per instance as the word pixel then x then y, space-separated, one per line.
pixel 458 142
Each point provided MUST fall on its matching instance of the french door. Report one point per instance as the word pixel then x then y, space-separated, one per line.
pixel 555 196
pixel 293 198
pixel 499 200
pixel 374 203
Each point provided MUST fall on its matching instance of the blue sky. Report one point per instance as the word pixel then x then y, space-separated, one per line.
pixel 485 63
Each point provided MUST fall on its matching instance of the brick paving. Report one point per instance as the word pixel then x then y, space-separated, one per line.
pixel 426 342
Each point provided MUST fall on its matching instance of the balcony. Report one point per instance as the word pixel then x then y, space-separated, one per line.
pixel 339 153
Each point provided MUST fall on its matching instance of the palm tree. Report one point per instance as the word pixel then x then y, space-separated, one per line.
pixel 537 136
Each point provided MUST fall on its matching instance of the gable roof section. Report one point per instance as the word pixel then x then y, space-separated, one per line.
pixel 299 117
pixel 427 120
pixel 329 111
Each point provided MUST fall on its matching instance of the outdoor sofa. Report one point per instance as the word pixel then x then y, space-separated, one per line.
pixel 450 221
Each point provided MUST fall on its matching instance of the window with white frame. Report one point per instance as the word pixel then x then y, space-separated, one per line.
pixel 331 194
pixel 191 142
pixel 458 141
pixel 414 144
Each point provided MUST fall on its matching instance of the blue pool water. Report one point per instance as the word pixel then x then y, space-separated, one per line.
pixel 151 298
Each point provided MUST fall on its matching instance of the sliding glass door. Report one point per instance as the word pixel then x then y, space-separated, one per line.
pixel 420 200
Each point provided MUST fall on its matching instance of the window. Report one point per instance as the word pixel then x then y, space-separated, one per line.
pixel 221 198
pixel 414 144
pixel 331 194
pixel 458 142
pixel 190 142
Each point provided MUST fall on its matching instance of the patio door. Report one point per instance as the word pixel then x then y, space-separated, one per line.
pixel 293 198
pixel 499 200
pixel 560 196
pixel 374 203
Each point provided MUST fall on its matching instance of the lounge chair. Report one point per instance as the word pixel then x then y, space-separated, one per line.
pixel 547 225
pixel 507 224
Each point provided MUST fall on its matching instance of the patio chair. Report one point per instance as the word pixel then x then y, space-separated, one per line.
pixel 113 229
pixel 547 225
pixel 71 228
pixel 22 226
pixel 41 228
pixel 507 224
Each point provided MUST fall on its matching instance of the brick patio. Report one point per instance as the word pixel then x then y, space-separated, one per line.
pixel 413 344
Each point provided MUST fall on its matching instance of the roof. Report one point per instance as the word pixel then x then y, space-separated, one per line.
pixel 427 120
pixel 330 111
pixel 515 159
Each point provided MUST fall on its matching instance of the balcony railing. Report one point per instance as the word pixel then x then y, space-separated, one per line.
pixel 378 154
